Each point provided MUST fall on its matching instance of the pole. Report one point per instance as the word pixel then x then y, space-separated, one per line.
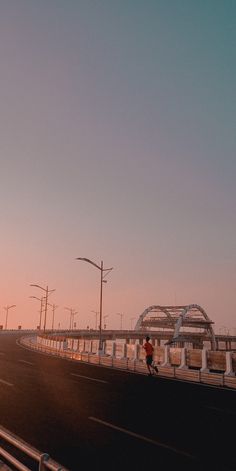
pixel 131 322
pixel 6 318
pixel 71 319
pixel 53 311
pixel 102 281
pixel 100 319
pixel 121 317
pixel 7 309
pixel 105 317
pixel 46 306
pixel 41 312
pixel 46 301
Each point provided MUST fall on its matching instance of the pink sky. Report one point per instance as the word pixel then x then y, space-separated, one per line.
pixel 117 144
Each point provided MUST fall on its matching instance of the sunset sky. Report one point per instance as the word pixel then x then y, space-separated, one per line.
pixel 117 126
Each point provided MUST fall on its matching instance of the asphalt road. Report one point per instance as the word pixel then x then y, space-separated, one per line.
pixel 94 418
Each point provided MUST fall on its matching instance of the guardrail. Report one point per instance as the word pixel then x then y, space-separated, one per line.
pixel 42 459
pixel 137 366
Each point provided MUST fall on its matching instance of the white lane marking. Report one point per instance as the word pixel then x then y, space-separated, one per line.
pixel 88 377
pixel 141 437
pixel 6 382
pixel 27 362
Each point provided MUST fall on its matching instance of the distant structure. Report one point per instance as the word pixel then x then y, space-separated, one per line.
pixel 180 324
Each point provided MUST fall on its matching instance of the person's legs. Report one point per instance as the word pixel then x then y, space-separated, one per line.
pixel 149 364
pixel 152 366
pixel 155 368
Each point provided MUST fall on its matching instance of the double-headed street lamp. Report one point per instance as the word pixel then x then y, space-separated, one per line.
pixel 54 307
pixel 72 315
pixel 102 280
pixel 41 308
pixel 47 291
pixel 7 309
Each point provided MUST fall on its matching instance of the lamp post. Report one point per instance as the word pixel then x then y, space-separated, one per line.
pixel 47 291
pixel 96 322
pixel 7 309
pixel 102 270
pixel 121 319
pixel 41 308
pixel 105 317
pixel 72 315
pixel 54 307
pixel 131 322
pixel 70 310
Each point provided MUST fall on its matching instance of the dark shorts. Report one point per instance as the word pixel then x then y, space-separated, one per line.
pixel 149 359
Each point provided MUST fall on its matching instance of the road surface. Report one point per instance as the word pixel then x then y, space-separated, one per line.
pixel 114 420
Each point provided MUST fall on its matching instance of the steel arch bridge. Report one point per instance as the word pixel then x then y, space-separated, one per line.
pixel 182 324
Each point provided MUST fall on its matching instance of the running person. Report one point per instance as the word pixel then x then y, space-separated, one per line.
pixel 149 357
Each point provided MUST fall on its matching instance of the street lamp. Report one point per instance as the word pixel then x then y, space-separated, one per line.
pixel 131 322
pixel 54 307
pixel 41 308
pixel 7 309
pixel 102 270
pixel 47 291
pixel 72 315
pixel 96 322
pixel 121 318
pixel 105 317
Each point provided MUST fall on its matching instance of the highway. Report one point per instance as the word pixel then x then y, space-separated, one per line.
pixel 91 417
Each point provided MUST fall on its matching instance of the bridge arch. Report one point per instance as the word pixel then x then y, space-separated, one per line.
pixel 184 323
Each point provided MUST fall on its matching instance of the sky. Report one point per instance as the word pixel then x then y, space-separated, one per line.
pixel 117 143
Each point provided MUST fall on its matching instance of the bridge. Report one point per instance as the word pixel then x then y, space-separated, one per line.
pixel 182 336
pixel 223 341
pixel 179 326
pixel 93 409
pixel 113 419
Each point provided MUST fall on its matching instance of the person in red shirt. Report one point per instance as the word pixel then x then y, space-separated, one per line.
pixel 149 357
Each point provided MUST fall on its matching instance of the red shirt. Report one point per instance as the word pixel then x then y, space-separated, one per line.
pixel 148 348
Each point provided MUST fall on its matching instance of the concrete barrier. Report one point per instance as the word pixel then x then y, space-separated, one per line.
pixel 172 363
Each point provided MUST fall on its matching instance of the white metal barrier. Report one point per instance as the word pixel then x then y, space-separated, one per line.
pixel 43 459
pixel 137 365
